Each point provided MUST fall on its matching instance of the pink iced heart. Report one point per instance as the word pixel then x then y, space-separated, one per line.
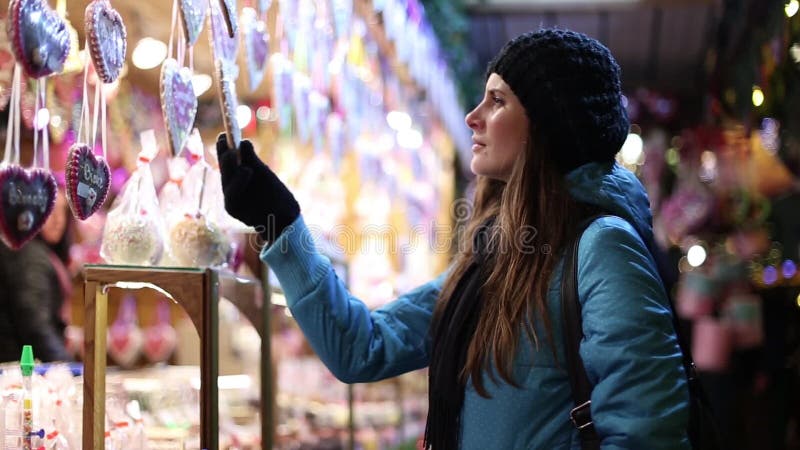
pixel 40 38
pixel 107 39
pixel 27 197
pixel 256 46
pixel 178 103
pixel 159 342
pixel 193 13
pixel 88 179
pixel 124 344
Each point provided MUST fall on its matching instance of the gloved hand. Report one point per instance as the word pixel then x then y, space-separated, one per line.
pixel 253 193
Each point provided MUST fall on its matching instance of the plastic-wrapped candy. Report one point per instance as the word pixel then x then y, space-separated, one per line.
pixel 134 229
pixel 196 236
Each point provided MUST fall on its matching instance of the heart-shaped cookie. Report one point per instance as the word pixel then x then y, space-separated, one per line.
pixel 107 39
pixel 39 37
pixel 256 46
pixel 193 13
pixel 223 46
pixel 228 8
pixel 178 103
pixel 226 88
pixel 27 197
pixel 88 179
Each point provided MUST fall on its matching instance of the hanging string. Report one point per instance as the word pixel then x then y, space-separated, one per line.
pixel 182 44
pixel 45 127
pixel 98 87
pixel 172 27
pixel 202 188
pixel 84 119
pixel 103 116
pixel 11 154
pixel 36 106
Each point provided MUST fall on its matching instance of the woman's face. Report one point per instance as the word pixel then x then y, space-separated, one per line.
pixel 499 130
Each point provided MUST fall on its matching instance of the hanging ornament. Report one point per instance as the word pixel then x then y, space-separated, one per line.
pixel 160 339
pixel 107 39
pixel 226 87
pixel 88 179
pixel 223 46
pixel 178 102
pixel 193 14
pixel 263 6
pixel 228 8
pixel 256 46
pixel 124 335
pixel 39 37
pixel 27 196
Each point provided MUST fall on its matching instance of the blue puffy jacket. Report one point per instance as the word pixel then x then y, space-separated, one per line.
pixel 632 357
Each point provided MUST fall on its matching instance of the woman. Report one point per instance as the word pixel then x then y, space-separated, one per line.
pixel 545 136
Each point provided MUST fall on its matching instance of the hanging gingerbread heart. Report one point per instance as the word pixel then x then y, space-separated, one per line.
pixel 39 37
pixel 178 103
pixel 107 39
pixel 27 197
pixel 223 46
pixel 226 88
pixel 256 46
pixel 88 179
pixel 193 13
pixel 228 8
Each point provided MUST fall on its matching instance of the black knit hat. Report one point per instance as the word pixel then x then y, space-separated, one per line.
pixel 570 88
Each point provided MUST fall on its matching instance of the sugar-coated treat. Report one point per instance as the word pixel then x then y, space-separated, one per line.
pixel 131 239
pixel 198 242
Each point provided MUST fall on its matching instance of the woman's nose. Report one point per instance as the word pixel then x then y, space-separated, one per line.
pixel 472 118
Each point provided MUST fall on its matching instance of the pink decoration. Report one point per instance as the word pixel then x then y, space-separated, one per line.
pixel 124 335
pixel 712 342
pixel 160 339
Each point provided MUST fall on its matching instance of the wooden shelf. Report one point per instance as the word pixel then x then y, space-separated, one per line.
pixel 197 291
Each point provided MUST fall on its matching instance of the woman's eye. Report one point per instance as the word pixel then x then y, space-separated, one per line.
pixel 497 100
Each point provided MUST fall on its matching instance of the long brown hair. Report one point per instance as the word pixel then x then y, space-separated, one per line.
pixel 535 216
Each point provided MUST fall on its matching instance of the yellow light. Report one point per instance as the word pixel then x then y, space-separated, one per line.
pixel 798 300
pixel 758 96
pixel 791 8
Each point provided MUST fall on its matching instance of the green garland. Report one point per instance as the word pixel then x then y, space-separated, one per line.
pixel 450 23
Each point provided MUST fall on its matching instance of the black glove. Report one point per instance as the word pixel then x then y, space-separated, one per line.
pixel 253 193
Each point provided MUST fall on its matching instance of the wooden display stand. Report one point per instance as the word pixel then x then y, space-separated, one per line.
pixel 197 291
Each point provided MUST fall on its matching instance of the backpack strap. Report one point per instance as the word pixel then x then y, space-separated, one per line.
pixel 703 430
pixel 581 414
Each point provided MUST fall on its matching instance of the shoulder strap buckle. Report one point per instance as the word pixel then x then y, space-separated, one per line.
pixel 581 415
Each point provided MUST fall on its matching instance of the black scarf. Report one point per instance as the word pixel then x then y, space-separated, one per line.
pixel 452 334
